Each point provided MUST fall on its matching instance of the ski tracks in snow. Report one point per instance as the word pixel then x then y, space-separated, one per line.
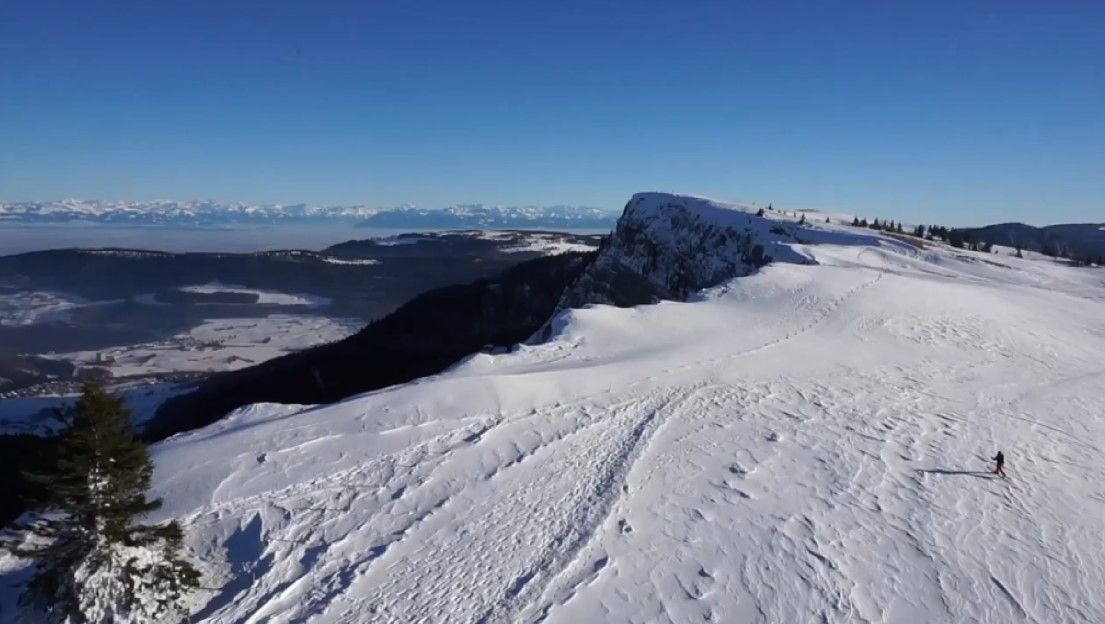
pixel 493 521
pixel 474 523
pixel 731 484
pixel 497 544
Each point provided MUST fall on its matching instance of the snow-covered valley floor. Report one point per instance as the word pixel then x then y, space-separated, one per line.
pixel 219 344
pixel 808 443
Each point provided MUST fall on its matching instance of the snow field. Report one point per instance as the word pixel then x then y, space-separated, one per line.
pixel 807 443
pixel 38 307
pixel 220 344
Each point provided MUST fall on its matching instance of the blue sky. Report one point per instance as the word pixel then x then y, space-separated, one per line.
pixel 956 112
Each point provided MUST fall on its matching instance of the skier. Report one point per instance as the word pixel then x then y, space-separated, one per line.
pixel 1000 468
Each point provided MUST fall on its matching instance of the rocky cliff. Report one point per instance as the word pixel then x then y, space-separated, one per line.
pixel 668 246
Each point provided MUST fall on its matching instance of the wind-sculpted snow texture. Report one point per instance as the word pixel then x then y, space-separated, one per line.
pixel 805 443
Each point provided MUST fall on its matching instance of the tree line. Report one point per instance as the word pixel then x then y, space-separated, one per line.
pixel 969 240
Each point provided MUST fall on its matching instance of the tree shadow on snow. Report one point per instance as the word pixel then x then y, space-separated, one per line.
pixel 982 474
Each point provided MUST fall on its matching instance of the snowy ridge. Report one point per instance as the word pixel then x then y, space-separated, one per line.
pixel 668 246
pixel 807 442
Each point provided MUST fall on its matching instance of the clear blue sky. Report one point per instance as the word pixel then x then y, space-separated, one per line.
pixel 958 112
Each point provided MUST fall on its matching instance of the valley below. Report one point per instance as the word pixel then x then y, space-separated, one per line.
pixel 151 323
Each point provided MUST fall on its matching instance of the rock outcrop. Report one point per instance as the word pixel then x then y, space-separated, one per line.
pixel 669 246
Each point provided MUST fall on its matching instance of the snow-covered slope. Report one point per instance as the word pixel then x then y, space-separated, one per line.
pixel 805 442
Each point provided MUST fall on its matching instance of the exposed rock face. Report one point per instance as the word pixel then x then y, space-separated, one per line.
pixel 668 246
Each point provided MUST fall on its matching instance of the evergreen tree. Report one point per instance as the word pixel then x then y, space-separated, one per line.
pixel 855 221
pixel 955 238
pixel 875 225
pixel 94 564
pixel 802 221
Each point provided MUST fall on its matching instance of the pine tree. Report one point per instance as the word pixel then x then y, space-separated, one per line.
pixel 94 564
pixel 855 221
pixel 955 238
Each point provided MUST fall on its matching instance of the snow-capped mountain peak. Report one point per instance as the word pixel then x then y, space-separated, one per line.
pixel 170 212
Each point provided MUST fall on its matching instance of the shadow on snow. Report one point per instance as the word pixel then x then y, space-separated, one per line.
pixel 984 474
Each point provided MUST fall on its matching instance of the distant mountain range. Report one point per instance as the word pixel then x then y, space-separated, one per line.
pixel 199 213
pixel 481 216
